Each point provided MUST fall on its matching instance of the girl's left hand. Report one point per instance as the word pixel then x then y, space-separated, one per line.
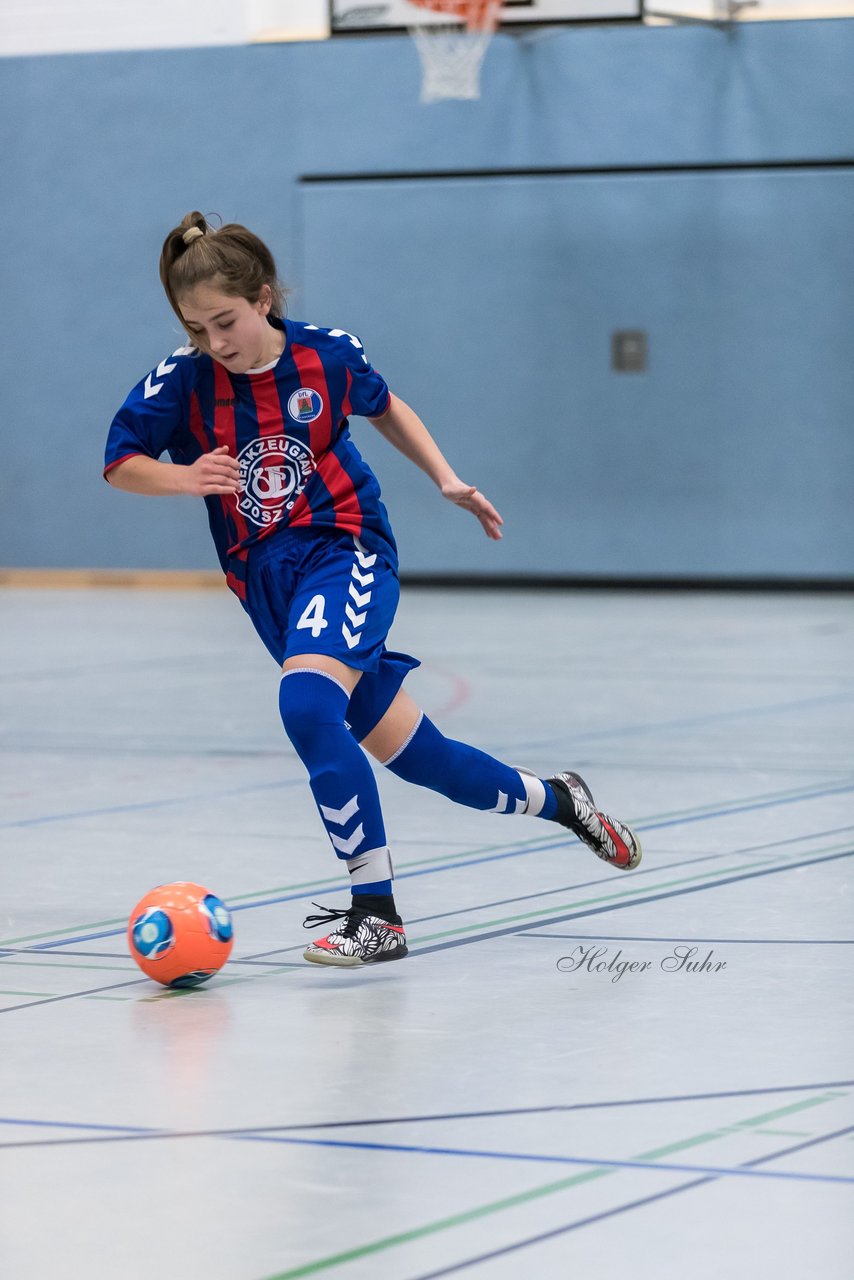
pixel 465 495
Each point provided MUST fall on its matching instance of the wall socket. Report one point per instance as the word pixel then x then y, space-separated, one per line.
pixel 629 350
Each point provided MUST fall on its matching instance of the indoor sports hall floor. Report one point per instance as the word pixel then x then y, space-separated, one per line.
pixel 485 1107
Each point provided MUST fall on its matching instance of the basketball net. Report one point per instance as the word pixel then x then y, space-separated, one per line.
pixel 452 52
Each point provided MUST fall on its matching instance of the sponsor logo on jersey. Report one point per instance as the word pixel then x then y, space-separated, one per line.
pixel 273 474
pixel 305 405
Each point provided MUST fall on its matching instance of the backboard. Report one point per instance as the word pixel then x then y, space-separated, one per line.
pixel 365 17
pixel 374 16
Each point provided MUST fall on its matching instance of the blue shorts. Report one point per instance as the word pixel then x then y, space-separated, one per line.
pixel 309 592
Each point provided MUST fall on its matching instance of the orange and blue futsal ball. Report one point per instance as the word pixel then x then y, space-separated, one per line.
pixel 180 934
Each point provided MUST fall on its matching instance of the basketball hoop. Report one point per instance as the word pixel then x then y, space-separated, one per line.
pixel 452 52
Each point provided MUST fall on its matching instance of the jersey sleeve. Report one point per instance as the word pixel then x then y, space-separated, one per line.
pixel 155 415
pixel 368 391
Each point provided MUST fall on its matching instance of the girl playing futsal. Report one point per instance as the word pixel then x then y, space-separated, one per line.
pixel 254 416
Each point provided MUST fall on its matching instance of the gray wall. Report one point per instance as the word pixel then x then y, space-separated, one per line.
pixel 488 302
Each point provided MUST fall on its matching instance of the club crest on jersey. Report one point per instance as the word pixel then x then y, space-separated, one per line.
pixel 273 474
pixel 305 405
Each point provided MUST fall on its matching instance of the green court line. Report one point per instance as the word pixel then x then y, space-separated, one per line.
pixel 277 967
pixel 547 839
pixel 586 902
pixel 178 993
pixel 738 1127
pixel 793 794
pixel 253 977
pixel 640 892
pixel 5 991
pixel 320 885
pixel 486 924
pixel 50 933
pixel 524 1197
pixel 696 811
pixel 442 1224
pixel 787 1111
pixel 57 964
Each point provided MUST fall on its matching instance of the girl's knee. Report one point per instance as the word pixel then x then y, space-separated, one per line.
pixel 311 703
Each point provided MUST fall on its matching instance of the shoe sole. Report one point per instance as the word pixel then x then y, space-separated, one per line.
pixel 608 822
pixel 351 962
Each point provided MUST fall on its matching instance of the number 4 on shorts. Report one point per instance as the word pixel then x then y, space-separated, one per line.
pixel 312 619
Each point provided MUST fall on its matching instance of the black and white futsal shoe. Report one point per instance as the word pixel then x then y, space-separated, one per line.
pixel 610 840
pixel 360 938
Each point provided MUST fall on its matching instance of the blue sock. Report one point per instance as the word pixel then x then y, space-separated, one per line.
pixel 313 706
pixel 469 776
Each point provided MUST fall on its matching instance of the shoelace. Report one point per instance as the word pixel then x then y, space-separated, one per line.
pixel 355 916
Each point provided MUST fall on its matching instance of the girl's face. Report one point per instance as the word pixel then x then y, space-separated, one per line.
pixel 233 330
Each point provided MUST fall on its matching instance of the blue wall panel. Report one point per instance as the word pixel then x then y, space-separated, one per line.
pixel 725 457
pixel 744 282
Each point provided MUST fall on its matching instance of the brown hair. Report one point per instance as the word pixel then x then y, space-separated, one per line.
pixel 196 253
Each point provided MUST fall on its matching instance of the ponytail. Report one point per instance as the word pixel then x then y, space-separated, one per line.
pixel 235 258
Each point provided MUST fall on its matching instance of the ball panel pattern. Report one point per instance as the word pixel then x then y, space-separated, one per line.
pixel 180 934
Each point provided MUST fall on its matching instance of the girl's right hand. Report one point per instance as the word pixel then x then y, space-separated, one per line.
pixel 471 499
pixel 215 472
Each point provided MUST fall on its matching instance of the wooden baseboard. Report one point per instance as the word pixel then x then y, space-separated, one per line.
pixel 212 579
pixel 147 579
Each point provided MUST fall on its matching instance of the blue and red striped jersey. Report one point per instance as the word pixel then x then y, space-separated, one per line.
pixel 287 425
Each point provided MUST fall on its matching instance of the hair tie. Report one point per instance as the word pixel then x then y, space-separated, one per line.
pixel 191 234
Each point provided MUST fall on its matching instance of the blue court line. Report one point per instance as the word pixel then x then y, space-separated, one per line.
pixel 134 1131
pixel 646 870
pixel 123 955
pixel 561 843
pixel 608 878
pixel 418 950
pixel 521 1156
pixel 62 942
pixel 785 798
pixel 74 1124
pixel 808 835
pixel 110 933
pixel 152 804
pixel 618 1209
pixel 605 879
pixel 144 805
pixel 73 995
pixel 692 722
pixel 521 897
pixel 179 748
pixel 316 892
pixel 574 1106
pixel 478 937
pixel 771 942
pixel 747 808
pixel 560 1231
pixel 78 955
